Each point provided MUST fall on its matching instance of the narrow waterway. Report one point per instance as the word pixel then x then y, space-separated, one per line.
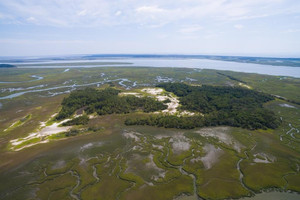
pixel 121 82
pixel 184 172
pixel 36 78
pixel 75 196
pixel 238 166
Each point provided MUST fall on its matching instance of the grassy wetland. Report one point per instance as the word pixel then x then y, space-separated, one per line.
pixel 105 159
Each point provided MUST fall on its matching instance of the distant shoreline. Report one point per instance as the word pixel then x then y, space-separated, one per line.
pixel 286 71
pixel 291 62
pixel 7 66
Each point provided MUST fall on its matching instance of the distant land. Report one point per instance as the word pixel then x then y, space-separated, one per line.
pixel 7 66
pixel 292 62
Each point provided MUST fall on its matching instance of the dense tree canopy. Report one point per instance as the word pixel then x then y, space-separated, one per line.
pixel 220 105
pixel 106 101
pixel 81 120
pixel 230 106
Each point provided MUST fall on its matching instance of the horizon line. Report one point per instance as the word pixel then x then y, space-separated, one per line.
pixel 149 54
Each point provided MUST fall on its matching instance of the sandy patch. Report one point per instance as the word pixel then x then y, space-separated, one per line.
pixel 30 145
pixel 245 85
pixel 212 155
pixel 42 133
pixel 161 98
pixel 53 129
pixel 172 106
pixel 186 113
pixel 153 91
pixel 10 126
pixel 286 105
pixel 222 134
pixel 264 158
pixel 92 116
pixel 130 93
pixel 157 93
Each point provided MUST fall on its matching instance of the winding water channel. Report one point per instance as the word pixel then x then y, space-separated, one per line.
pixel 75 174
pixel 121 82
pixel 36 78
pixel 238 166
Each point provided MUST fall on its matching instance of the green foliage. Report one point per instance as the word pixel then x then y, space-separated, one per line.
pixel 82 120
pixel 95 128
pixel 27 142
pixel 72 132
pixel 105 102
pixel 19 123
pixel 230 106
pixel 232 78
pixel 126 104
pixel 167 121
pixel 167 101
pixel 81 98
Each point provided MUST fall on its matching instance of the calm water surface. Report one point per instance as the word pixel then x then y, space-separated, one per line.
pixel 191 63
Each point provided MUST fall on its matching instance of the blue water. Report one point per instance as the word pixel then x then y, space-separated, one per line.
pixel 188 63
pixel 68 87
pixel 161 62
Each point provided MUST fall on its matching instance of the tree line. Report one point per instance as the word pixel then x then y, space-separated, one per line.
pixel 231 106
pixel 106 101
pixel 237 107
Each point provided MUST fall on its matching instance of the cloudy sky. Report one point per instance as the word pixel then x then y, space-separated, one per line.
pixel 219 27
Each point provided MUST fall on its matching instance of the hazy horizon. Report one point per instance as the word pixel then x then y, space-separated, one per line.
pixel 164 55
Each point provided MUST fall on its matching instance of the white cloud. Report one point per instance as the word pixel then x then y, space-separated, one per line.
pixel 292 31
pixel 141 12
pixel 149 9
pixel 32 20
pixel 31 41
pixel 211 36
pixel 190 29
pixel 162 36
pixel 239 26
pixel 118 13
pixel 82 13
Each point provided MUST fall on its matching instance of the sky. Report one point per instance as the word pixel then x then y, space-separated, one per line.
pixel 209 27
